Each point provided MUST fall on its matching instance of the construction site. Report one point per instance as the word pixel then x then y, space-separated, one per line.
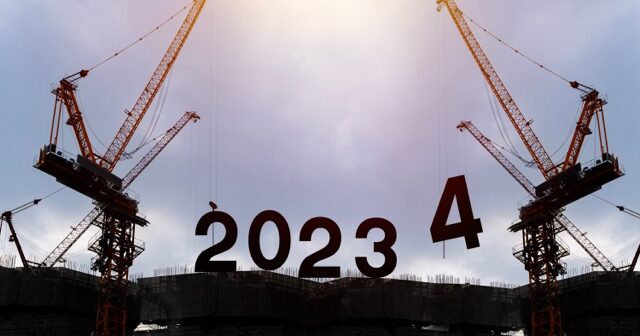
pixel 49 296
pixel 60 301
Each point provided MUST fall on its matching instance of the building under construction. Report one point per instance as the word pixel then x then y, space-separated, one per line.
pixel 41 299
pixel 60 301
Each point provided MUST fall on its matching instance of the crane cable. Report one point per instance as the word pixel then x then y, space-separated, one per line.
pixel 153 140
pixel 514 49
pixel 53 193
pixel 35 201
pixel 501 41
pixel 159 108
pixel 25 207
pixel 502 128
pixel 93 132
pixel 147 138
pixel 143 142
pixel 139 39
pixel 622 208
pixel 567 136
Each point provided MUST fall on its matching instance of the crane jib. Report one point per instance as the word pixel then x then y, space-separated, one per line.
pixel 142 104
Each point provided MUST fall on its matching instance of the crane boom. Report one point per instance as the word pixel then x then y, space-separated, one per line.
pixel 159 146
pixel 77 231
pixel 134 117
pixel 523 126
pixel 497 154
pixel 586 244
pixel 598 257
pixel 71 238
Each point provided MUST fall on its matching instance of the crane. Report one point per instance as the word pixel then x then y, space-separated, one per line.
pixel 539 241
pixel 564 184
pixel 92 175
pixel 7 216
pixel 90 219
pixel 563 223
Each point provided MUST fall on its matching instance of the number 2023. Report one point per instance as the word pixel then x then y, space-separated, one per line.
pixel 456 187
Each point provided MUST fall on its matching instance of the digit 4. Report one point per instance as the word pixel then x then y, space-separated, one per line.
pixel 468 227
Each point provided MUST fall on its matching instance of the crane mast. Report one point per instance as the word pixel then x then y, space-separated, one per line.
pixel 90 219
pixel 134 117
pixel 563 222
pixel 541 251
pixel 521 124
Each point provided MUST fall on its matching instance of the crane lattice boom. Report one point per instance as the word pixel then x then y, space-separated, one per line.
pixel 522 125
pixel 134 117
pixel 497 154
pixel 586 244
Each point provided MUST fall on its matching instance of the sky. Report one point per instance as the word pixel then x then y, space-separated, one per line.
pixel 338 108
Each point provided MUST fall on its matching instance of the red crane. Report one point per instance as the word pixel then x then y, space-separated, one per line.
pixel 563 223
pixel 91 175
pixel 565 184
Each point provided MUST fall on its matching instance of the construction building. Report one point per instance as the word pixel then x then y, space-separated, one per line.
pixel 60 301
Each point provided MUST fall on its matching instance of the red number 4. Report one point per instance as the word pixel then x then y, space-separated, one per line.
pixel 468 227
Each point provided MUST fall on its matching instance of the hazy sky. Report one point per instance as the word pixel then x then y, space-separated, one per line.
pixel 337 108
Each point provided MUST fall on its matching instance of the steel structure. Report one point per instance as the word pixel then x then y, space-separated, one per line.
pixel 563 223
pixel 541 251
pixel 520 123
pixel 134 117
pixel 91 218
pixel 91 175
pixel 541 255
pixel 116 247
